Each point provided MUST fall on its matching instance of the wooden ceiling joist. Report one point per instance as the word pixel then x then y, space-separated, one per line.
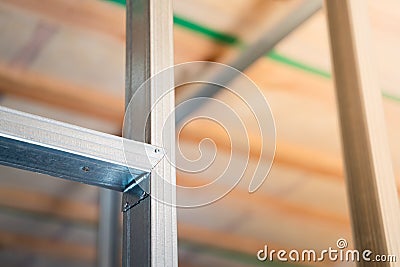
pixel 100 16
pixel 47 246
pixel 68 209
pixel 24 83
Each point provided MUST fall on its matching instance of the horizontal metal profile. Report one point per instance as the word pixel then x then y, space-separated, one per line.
pixel 70 152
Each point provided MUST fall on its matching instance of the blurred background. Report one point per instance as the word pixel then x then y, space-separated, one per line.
pixel 65 59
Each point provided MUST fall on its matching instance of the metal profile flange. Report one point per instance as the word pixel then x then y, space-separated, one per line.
pixel 74 153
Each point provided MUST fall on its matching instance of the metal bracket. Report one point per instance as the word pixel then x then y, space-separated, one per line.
pixel 135 192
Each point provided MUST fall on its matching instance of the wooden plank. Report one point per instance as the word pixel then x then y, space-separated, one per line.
pixel 87 213
pixel 30 258
pixel 287 153
pixel 100 16
pixel 277 203
pixel 46 205
pixel 47 246
pixel 370 180
pixel 108 19
pixel 36 86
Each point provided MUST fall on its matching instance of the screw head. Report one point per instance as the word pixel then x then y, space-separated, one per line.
pixel 157 150
pixel 85 169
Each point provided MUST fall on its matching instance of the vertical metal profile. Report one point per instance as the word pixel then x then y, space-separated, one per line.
pixel 370 180
pixel 149 227
pixel 109 230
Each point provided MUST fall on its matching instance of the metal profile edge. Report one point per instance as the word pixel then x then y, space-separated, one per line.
pixel 67 151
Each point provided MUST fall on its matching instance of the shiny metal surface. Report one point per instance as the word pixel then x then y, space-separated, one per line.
pixel 66 151
pixel 109 229
pixel 149 226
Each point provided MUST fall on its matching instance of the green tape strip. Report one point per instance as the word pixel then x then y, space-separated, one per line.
pixel 208 32
pixel 296 64
pixel 215 35
pixel 288 61
pixel 120 2
pixel 391 97
pixel 233 40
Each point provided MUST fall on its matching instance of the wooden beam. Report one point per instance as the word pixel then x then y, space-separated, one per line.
pixel 370 180
pixel 47 205
pixel 289 154
pixel 264 201
pixel 31 85
pixel 101 16
pixel 109 19
pixel 68 209
pixel 46 246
